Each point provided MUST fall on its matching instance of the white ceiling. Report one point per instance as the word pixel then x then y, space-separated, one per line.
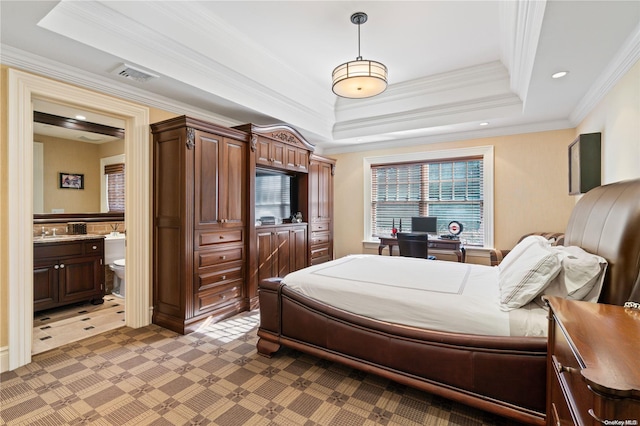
pixel 452 64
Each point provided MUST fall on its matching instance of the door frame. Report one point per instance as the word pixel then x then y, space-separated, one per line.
pixel 22 89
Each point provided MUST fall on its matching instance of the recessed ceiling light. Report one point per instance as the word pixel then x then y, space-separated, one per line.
pixel 484 123
pixel 80 117
pixel 560 74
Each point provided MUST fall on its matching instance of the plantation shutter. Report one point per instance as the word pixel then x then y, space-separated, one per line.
pixel 448 189
pixel 115 187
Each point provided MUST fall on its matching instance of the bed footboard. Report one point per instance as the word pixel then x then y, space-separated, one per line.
pixel 503 375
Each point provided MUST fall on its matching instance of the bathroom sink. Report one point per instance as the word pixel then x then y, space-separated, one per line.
pixel 64 237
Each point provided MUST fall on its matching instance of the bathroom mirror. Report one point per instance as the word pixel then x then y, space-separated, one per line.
pixel 70 155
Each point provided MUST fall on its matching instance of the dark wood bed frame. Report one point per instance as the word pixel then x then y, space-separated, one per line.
pixel 502 375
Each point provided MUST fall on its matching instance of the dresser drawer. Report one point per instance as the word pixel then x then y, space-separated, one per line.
pixel 205 238
pixel 572 398
pixel 218 296
pixel 206 280
pixel 320 226
pixel 217 257
pixel 319 238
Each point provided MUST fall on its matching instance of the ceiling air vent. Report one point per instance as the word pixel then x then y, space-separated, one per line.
pixel 133 73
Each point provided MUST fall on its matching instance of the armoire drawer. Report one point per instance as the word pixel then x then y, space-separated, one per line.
pixel 208 238
pixel 218 296
pixel 319 226
pixel 319 238
pixel 206 258
pixel 207 280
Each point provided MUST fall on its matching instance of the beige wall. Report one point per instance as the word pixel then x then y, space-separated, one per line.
pixel 530 188
pixel 66 156
pixel 617 117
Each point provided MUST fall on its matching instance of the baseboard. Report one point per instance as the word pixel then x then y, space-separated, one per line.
pixel 4 359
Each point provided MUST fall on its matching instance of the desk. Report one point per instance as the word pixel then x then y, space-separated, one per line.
pixel 438 243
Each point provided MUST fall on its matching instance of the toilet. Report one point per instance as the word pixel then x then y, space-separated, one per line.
pixel 114 253
pixel 118 276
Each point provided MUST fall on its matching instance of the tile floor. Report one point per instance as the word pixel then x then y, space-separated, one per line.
pixel 56 327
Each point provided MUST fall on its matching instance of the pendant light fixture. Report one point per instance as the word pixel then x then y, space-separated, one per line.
pixel 359 78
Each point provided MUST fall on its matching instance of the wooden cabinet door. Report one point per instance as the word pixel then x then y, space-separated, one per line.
pixel 263 152
pixel 302 160
pixel 206 181
pixel 282 251
pixel 325 192
pixel 219 182
pixel 278 154
pixel 298 248
pixel 79 279
pixel 291 157
pixel 320 191
pixel 45 285
pixel 232 181
pixel 266 254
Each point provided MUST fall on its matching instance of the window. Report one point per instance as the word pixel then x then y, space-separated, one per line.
pixel 451 185
pixel 114 174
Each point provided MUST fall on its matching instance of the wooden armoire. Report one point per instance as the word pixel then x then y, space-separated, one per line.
pixel 200 218
pixel 208 252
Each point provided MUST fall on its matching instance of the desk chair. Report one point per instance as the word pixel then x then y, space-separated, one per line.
pixel 414 245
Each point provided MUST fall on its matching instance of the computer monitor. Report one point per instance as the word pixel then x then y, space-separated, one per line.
pixel 426 224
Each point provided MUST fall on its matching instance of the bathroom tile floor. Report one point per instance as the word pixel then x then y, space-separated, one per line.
pixel 55 327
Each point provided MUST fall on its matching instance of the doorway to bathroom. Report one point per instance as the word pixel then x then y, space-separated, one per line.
pixel 23 88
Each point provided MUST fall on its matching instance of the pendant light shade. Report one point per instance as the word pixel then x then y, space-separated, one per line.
pixel 360 78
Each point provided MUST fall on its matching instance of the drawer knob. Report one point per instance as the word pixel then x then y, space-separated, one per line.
pixel 223 257
pixel 222 296
pixel 224 277
pixel 222 237
pixel 95 247
pixel 62 266
pixel 564 369
pixel 56 267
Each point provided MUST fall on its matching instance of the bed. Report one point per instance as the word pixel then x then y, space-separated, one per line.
pixel 500 370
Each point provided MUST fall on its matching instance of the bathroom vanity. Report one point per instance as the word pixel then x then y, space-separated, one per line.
pixel 67 269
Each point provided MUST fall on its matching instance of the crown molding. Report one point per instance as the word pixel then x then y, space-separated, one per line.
pixel 520 28
pixel 623 61
pixel 463 111
pixel 464 78
pixel 451 137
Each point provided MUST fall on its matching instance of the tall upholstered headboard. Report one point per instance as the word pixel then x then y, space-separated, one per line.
pixel 606 222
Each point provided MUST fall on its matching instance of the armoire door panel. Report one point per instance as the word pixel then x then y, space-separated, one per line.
pixel 206 183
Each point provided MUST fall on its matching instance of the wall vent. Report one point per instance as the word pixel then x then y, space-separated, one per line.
pixel 133 73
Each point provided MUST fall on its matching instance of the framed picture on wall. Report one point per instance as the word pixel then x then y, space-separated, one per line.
pixel 71 180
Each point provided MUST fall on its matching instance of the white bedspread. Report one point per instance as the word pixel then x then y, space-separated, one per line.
pixel 432 294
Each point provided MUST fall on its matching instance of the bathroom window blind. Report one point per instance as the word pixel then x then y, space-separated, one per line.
pixel 448 189
pixel 115 186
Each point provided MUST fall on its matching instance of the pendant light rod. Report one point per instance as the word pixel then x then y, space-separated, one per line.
pixel 359 18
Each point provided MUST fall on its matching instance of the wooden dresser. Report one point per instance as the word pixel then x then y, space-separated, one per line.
pixel 593 364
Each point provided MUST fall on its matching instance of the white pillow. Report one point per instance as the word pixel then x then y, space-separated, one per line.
pixel 528 269
pixel 580 277
pixel 521 247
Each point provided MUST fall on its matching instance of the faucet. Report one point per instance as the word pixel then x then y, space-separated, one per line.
pixel 44 232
